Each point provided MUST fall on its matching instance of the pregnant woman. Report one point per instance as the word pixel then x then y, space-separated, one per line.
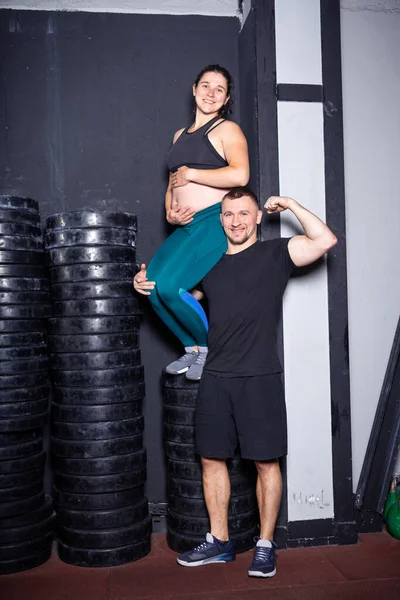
pixel 205 161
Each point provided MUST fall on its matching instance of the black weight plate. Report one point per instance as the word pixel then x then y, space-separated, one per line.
pixel 24 325
pixel 92 342
pixel 23 423
pixel 106 538
pixel 88 254
pixel 99 484
pixel 19 216
pixel 184 452
pixel 182 434
pixel 7 567
pixel 24 380
pixel 20 492
pixel 178 381
pixel 34 271
pixel 98 501
pixel 91 218
pixel 22 409
pixel 14 535
pixel 20 465
pixel 101 378
pixel 99 395
pixel 93 325
pixel 104 558
pixel 22 257
pixel 103 519
pixel 20 229
pixel 196 507
pixel 27 548
pixel 95 360
pixel 194 489
pixel 27 394
pixel 180 397
pixel 15 367
pixel 179 415
pixel 23 353
pixel 15 340
pixel 42 512
pixel 24 284
pixel 92 289
pixel 90 307
pixel 191 525
pixel 18 203
pixel 19 242
pixel 20 437
pixel 17 508
pixel 107 465
pixel 102 430
pixel 25 311
pixel 20 450
pixel 180 542
pixel 88 272
pixel 20 479
pixel 93 413
pixel 24 297
pixel 95 449
pixel 101 236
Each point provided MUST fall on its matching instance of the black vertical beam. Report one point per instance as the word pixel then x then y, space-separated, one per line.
pixel 267 111
pixel 346 530
pixel 258 38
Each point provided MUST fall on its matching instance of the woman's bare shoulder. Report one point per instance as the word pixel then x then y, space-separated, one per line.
pixel 177 134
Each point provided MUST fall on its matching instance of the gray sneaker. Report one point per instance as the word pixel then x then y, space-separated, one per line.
pixel 196 370
pixel 182 364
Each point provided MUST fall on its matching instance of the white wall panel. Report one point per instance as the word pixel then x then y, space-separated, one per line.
pixel 298 41
pixel 305 321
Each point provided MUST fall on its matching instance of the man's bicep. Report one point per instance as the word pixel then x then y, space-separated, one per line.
pixel 304 251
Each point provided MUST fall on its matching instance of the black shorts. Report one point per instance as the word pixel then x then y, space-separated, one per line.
pixel 250 411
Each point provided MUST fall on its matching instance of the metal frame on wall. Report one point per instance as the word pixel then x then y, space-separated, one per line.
pixel 342 528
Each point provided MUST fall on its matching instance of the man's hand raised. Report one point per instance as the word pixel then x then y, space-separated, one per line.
pixel 141 283
pixel 276 204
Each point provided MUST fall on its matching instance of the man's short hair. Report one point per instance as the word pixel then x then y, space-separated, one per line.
pixel 239 192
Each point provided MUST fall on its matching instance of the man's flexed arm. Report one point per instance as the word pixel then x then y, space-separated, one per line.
pixel 318 238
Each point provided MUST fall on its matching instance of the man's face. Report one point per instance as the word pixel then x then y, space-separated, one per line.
pixel 239 219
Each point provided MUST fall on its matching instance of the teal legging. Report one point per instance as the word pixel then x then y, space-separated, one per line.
pixel 179 264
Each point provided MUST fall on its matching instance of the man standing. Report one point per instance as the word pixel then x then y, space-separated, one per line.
pixel 240 398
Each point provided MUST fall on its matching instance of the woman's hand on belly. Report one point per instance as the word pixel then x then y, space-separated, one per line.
pixel 180 216
pixel 180 177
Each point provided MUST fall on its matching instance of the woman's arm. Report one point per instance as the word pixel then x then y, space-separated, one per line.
pixel 236 155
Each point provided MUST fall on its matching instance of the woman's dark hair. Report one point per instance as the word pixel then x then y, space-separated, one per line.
pixel 226 108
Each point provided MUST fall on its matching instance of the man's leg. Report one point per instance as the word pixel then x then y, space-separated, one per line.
pixel 217 491
pixel 269 493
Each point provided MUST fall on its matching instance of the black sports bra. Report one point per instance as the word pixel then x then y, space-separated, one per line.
pixel 195 150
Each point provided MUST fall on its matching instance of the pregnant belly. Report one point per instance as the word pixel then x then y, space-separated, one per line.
pixel 197 196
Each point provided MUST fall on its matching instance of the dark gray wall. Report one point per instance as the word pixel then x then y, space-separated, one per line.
pixel 89 105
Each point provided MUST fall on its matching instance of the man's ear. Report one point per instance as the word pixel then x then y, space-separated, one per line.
pixel 259 217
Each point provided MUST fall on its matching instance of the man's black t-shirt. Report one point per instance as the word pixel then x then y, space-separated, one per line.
pixel 244 293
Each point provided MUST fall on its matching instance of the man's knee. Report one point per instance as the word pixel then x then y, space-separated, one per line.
pixel 265 467
pixel 213 465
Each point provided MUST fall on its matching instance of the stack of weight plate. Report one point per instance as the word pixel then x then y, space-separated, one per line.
pixel 26 515
pixel 187 517
pixel 97 423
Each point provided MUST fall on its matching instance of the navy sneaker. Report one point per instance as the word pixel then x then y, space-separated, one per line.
pixel 210 551
pixel 264 561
